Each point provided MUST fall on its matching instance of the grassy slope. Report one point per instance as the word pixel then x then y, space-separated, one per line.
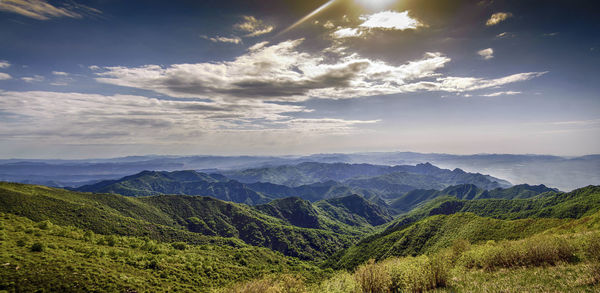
pixel 171 218
pixel 443 220
pixel 436 232
pixel 73 260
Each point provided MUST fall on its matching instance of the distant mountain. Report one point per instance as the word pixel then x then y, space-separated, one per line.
pixel 314 191
pixel 306 173
pixel 178 182
pixel 396 179
pixel 566 173
pixel 391 185
pixel 413 198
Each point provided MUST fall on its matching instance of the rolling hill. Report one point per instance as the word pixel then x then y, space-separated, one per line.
pixel 445 219
pixel 415 197
pixel 193 219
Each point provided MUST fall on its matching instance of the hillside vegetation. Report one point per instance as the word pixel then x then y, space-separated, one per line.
pixel 436 224
pixel 459 239
pixel 193 219
pixel 47 257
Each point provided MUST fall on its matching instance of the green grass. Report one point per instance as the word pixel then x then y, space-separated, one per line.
pixel 48 257
pixel 172 218
pixel 544 263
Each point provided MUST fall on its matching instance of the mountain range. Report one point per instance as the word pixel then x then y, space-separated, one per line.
pixel 565 173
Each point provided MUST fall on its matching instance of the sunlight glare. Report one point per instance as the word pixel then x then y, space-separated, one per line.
pixel 375 4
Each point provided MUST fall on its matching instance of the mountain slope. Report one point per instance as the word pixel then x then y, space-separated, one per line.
pixel 70 259
pixel 294 210
pixel 354 210
pixel 193 219
pixel 178 182
pixel 444 219
pixel 413 198
pixel 435 232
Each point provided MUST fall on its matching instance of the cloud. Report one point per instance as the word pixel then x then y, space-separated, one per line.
pixel 4 64
pixel 486 54
pixel 466 84
pixel 42 10
pixel 328 25
pixel 218 39
pixel 497 18
pixel 94 67
pixel 505 35
pixel 35 78
pixel 390 20
pixel 590 122
pixel 282 73
pixel 5 76
pixel 506 93
pixel 60 73
pixel 347 33
pixel 69 117
pixel 254 27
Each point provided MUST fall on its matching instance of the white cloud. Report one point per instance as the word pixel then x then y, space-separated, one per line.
pixel 42 10
pixel 390 20
pixel 5 76
pixel 497 18
pixel 347 33
pixel 60 73
pixel 94 67
pixel 465 84
pixel 506 93
pixel 35 78
pixel 328 25
pixel 486 53
pixel 281 72
pixel 254 27
pixel 72 116
pixel 218 39
pixel 4 64
pixel 505 35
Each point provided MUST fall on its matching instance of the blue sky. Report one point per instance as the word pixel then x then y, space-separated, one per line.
pixel 111 78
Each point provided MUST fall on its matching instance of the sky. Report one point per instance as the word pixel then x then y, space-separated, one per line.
pixel 107 78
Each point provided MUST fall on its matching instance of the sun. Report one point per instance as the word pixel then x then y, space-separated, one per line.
pixel 375 4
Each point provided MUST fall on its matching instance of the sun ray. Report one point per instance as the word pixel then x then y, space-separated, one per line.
pixel 307 17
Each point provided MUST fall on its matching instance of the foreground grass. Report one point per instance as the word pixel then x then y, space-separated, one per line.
pixel 542 263
pixel 43 257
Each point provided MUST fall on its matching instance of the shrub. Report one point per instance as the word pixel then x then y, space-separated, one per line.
pixel 179 245
pixel 21 242
pixel 593 255
pixel 417 274
pixel 44 225
pixel 458 248
pixel 534 251
pixel 276 284
pixel 37 247
pixel 372 277
pixel 342 282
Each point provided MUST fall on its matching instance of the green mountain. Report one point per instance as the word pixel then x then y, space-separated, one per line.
pixel 354 210
pixel 415 197
pixel 178 182
pixel 193 219
pixel 445 219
